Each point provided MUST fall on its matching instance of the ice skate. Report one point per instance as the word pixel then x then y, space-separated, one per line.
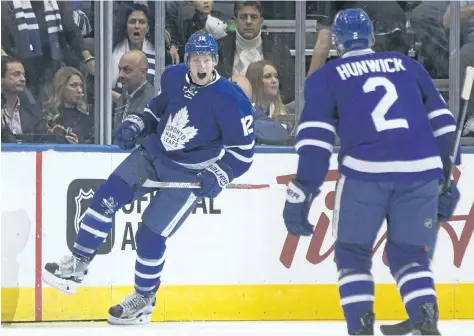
pixel 134 309
pixel 427 326
pixel 367 324
pixel 66 274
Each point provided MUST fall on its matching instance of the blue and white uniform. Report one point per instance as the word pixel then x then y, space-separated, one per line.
pixel 396 136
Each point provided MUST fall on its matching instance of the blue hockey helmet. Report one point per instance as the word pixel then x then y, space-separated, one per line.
pixel 201 44
pixel 352 29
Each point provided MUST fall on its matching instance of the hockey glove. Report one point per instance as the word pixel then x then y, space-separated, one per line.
pixel 299 198
pixel 213 179
pixel 447 202
pixel 129 131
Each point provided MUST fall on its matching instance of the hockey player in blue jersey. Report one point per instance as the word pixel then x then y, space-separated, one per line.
pixel 396 137
pixel 198 129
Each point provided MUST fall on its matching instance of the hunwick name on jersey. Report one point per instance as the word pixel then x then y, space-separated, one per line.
pixel 360 68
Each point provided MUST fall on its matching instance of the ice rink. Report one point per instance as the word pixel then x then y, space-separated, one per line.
pixel 314 328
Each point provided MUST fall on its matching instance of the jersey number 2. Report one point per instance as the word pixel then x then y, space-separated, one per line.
pixel 247 124
pixel 384 105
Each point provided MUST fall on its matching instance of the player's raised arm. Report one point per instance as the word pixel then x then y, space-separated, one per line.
pixel 238 136
pixel 316 131
pixel 441 119
pixel 141 123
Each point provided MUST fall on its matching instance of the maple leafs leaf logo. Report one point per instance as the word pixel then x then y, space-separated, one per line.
pixel 177 132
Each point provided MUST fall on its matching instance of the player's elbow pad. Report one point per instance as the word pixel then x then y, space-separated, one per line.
pixel 313 164
pixel 239 161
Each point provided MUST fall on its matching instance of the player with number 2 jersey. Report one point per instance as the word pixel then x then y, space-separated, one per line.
pixel 396 137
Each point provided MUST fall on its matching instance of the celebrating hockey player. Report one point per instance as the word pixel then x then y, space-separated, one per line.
pixel 198 129
pixel 396 138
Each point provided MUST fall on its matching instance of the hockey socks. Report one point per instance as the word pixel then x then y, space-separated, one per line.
pixel 410 268
pixel 97 220
pixel 150 260
pixel 356 286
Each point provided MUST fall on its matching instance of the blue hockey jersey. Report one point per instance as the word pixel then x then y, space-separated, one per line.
pixel 198 125
pixel 392 122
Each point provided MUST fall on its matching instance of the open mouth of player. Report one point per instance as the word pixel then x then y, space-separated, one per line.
pixel 201 75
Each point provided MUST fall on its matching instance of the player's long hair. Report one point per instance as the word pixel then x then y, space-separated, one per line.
pixel 255 75
pixel 54 104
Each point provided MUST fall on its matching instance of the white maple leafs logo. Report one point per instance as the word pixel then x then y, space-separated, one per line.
pixel 177 132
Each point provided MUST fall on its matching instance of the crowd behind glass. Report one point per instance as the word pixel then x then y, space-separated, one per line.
pixel 48 59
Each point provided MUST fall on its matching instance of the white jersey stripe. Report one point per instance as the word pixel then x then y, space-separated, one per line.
pixel 378 167
pixel 316 143
pixel 437 113
pixel 316 124
pixel 444 130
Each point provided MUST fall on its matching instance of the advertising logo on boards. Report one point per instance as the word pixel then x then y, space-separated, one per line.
pixel 79 197
pixel 316 254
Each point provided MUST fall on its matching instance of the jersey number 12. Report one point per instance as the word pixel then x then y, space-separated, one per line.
pixel 384 105
pixel 247 124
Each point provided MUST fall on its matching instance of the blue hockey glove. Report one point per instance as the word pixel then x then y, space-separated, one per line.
pixel 447 202
pixel 299 198
pixel 129 131
pixel 213 179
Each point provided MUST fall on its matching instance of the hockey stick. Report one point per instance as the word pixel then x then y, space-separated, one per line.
pixel 195 185
pixel 404 327
pixel 465 96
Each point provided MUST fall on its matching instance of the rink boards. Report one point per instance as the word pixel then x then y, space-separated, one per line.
pixel 232 260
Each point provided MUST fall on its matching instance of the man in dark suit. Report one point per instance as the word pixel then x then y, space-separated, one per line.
pixel 250 44
pixel 21 118
pixel 136 90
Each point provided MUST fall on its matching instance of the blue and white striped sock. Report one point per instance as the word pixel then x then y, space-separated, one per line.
pixel 416 286
pixel 150 260
pixel 356 289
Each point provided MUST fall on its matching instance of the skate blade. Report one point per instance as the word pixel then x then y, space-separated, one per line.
pixel 141 320
pixel 66 286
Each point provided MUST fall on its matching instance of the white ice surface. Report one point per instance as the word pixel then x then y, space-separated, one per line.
pixel 313 328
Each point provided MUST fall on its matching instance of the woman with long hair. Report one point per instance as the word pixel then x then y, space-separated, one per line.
pixel 66 111
pixel 263 75
pixel 136 34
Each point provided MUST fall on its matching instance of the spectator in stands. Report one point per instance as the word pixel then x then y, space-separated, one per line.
pixel 466 53
pixel 21 118
pixel 66 111
pixel 193 16
pixel 389 25
pixel 122 10
pixel 136 34
pixel 263 77
pixel 137 91
pixel 250 44
pixel 172 9
pixel 267 130
pixel 42 35
pixel 426 20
